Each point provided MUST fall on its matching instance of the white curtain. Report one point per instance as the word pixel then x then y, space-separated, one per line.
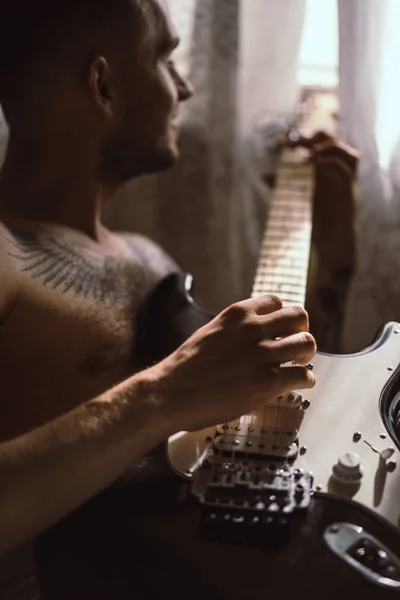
pixel 369 96
pixel 242 59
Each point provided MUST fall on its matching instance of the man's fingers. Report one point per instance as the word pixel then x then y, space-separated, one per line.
pixel 300 347
pixel 295 378
pixel 288 321
pixel 262 305
pixel 265 305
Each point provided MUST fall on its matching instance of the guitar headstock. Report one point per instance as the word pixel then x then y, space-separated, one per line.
pixel 321 145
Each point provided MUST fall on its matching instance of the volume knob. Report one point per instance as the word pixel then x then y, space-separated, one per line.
pixel 348 468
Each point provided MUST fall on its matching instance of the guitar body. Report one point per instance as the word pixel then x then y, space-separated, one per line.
pixel 142 538
pixel 120 547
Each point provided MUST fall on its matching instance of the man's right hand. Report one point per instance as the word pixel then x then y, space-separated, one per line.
pixel 233 365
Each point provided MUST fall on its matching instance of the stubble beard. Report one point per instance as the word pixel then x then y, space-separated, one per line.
pixel 121 160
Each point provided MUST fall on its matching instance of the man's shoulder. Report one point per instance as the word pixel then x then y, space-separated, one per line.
pixel 8 272
pixel 149 253
pixel 7 247
pixel 7 237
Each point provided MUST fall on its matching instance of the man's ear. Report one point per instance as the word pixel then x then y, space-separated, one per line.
pixel 101 85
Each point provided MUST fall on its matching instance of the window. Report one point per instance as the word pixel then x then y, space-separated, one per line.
pixel 319 54
pixel 317 74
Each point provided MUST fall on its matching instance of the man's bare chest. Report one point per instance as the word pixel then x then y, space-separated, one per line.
pixel 84 336
pixel 72 334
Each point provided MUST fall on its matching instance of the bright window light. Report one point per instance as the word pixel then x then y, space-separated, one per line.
pixel 388 118
pixel 319 50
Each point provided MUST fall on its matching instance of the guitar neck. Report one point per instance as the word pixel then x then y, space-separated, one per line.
pixel 285 251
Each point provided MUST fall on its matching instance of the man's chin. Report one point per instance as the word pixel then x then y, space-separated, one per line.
pixel 119 167
pixel 165 158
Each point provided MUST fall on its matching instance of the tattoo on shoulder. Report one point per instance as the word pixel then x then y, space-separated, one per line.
pixel 64 268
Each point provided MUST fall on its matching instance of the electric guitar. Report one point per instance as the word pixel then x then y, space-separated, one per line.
pixel 301 498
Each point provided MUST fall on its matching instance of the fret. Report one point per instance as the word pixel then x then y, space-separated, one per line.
pixel 288 206
pixel 292 238
pixel 286 264
pixel 299 210
pixel 297 178
pixel 283 250
pixel 274 285
pixel 296 221
pixel 289 261
pixel 290 224
pixel 293 295
pixel 285 244
pixel 292 221
pixel 270 265
pixel 295 206
pixel 280 274
pixel 280 283
pixel 288 215
pixel 285 261
pixel 294 229
pixel 288 278
pixel 290 200
pixel 296 189
pixel 296 192
pixel 276 288
pixel 270 289
pixel 270 258
pixel 284 238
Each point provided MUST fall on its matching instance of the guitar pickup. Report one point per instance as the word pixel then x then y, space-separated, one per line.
pixel 266 446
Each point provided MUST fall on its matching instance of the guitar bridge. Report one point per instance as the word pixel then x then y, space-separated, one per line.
pixel 242 499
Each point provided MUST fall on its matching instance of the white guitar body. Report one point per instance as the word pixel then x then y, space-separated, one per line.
pixel 339 440
pixel 343 417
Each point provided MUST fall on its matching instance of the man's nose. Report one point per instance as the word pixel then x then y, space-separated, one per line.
pixel 185 89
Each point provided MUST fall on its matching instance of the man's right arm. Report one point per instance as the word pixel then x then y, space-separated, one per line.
pixel 48 472
pixel 226 369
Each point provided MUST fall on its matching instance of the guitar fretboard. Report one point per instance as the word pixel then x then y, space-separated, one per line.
pixel 285 249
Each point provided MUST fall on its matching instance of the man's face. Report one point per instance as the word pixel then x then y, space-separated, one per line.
pixel 149 89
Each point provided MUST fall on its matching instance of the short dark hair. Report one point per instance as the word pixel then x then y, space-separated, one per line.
pixel 37 36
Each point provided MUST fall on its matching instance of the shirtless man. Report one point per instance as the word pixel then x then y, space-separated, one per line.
pixel 91 97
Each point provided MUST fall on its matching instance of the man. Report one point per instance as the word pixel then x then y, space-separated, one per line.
pixel 91 98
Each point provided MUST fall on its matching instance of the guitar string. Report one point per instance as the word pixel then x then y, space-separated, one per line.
pixel 286 462
pixel 250 428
